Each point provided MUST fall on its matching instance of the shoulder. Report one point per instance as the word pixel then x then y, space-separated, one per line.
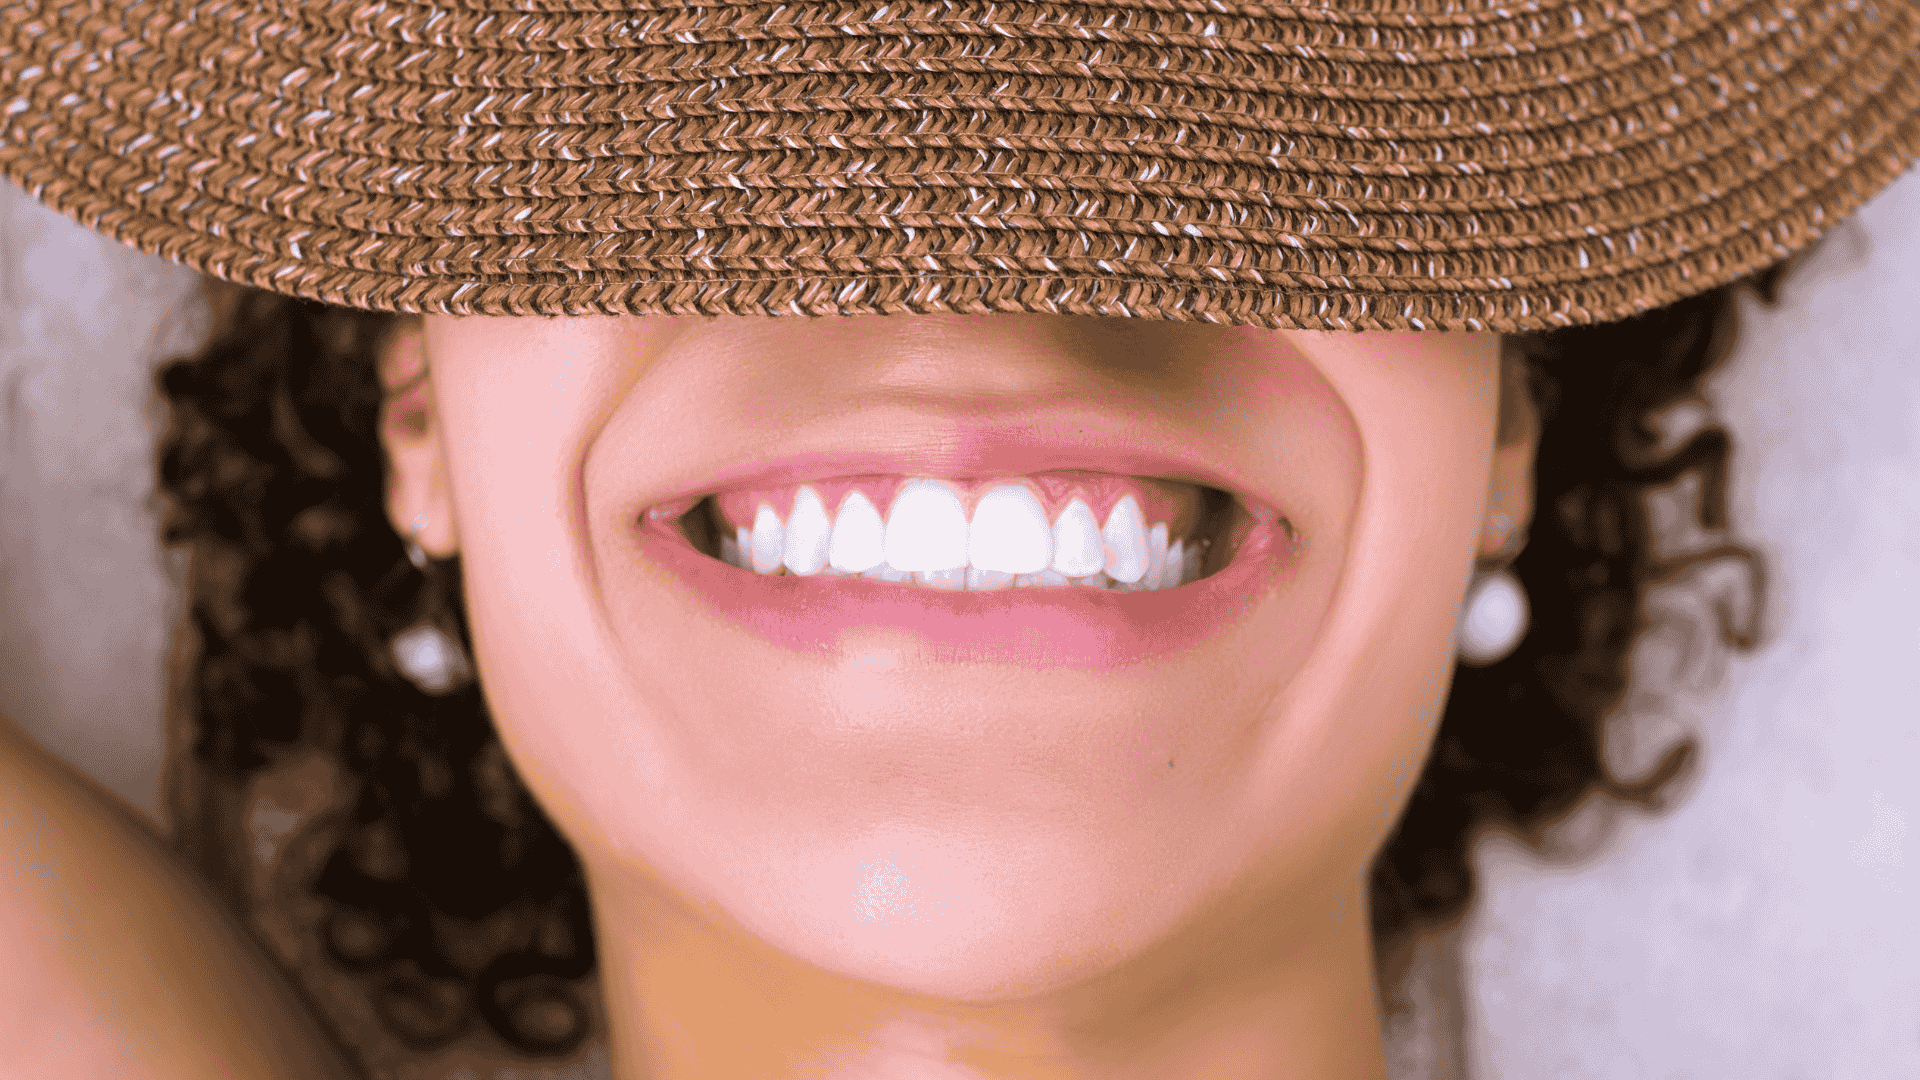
pixel 119 961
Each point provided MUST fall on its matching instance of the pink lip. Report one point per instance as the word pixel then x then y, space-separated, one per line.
pixel 1045 627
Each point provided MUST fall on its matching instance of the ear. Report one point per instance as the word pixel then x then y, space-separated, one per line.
pixel 419 504
pixel 1510 485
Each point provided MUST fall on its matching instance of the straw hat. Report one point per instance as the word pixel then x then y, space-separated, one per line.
pixel 1333 163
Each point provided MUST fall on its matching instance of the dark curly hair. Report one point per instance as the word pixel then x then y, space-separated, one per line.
pixel 275 476
pixel 1521 741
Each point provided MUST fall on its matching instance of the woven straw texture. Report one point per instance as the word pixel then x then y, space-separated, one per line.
pixel 1365 164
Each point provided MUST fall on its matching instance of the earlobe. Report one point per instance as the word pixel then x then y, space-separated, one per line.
pixel 1509 503
pixel 419 502
pixel 1510 482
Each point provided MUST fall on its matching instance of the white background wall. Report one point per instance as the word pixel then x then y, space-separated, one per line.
pixel 87 601
pixel 1767 926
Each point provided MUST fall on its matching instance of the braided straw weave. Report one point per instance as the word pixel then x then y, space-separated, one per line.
pixel 1391 164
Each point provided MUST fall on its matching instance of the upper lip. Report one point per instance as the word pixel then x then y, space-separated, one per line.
pixel 981 452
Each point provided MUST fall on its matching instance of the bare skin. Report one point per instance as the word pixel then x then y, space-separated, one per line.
pixel 1155 869
pixel 119 962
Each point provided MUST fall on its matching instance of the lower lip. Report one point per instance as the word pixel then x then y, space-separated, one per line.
pixel 1043 627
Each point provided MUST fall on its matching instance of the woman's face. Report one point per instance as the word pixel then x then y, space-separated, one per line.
pixel 969 794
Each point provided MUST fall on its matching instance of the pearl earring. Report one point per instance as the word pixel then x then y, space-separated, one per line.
pixel 1494 620
pixel 1496 614
pixel 425 653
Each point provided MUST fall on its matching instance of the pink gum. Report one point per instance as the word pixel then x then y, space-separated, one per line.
pixel 1176 504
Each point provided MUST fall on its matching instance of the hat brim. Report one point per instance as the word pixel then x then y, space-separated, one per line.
pixel 1437 166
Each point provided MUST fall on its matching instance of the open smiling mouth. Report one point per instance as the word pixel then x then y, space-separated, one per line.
pixel 1061 529
pixel 1064 567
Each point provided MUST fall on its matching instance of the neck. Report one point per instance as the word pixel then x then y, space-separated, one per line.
pixel 690 997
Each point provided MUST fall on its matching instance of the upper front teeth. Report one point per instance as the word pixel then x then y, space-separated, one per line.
pixel 1077 550
pixel 1009 533
pixel 927 529
pixel 927 538
pixel 1124 543
pixel 808 534
pixel 769 541
pixel 859 537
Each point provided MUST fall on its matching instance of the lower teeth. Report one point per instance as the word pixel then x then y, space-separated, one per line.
pixel 972 580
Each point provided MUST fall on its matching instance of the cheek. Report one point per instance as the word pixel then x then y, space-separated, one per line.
pixel 1364 709
pixel 515 403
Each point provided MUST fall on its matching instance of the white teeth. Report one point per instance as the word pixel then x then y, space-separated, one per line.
pixel 769 541
pixel 859 536
pixel 927 528
pixel 955 579
pixel 1076 542
pixel 927 540
pixel 1010 532
pixel 1156 557
pixel 808 532
pixel 979 580
pixel 1124 541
